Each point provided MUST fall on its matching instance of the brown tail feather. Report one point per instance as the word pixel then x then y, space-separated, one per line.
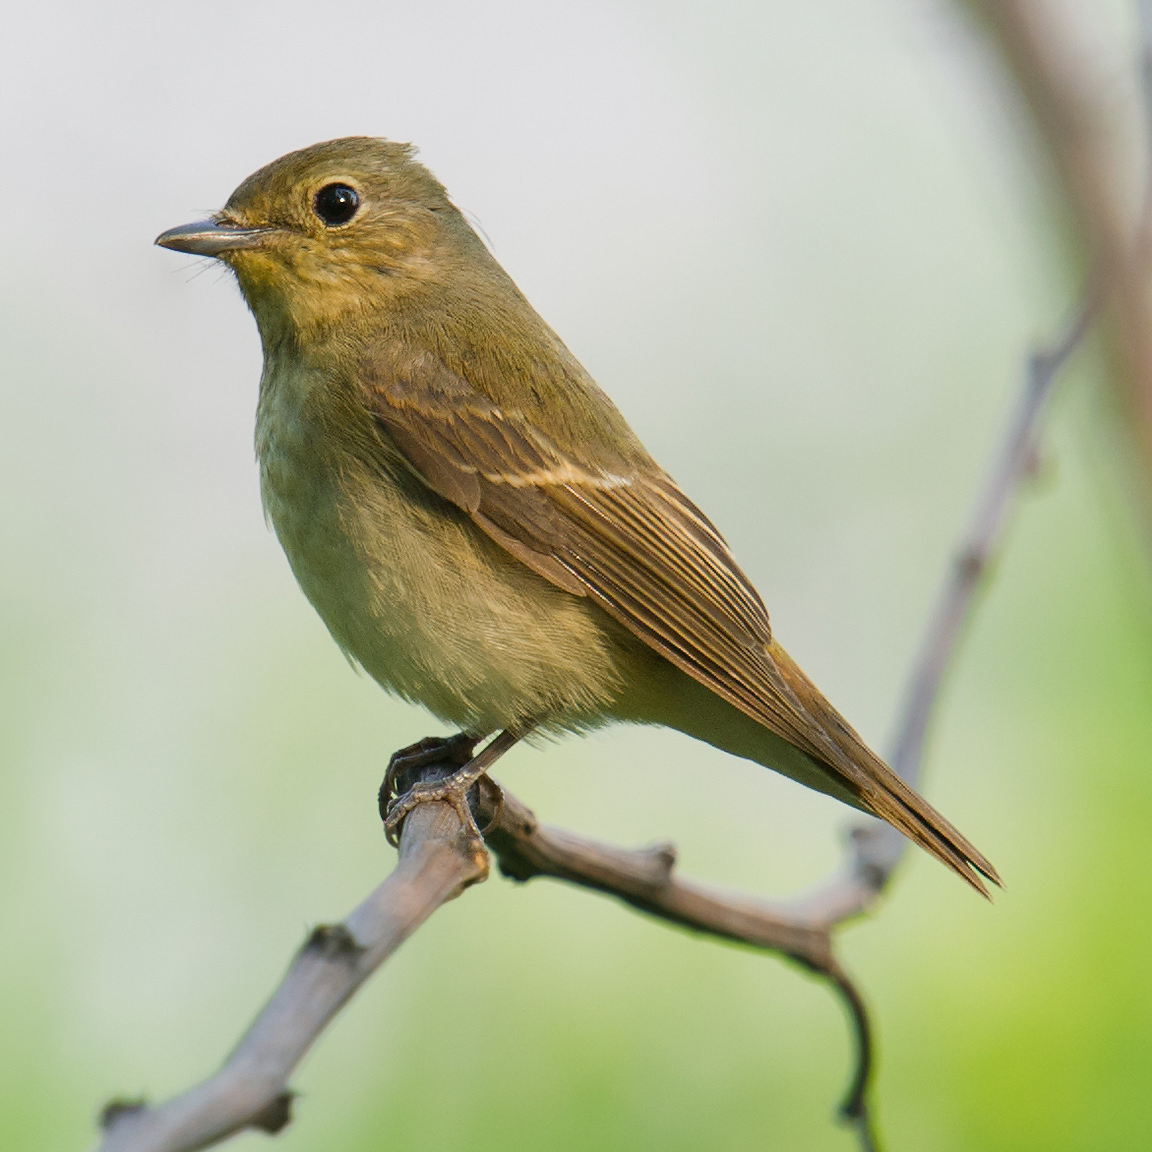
pixel 879 790
pixel 894 801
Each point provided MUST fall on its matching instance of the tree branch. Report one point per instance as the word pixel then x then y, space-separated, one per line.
pixel 644 879
pixel 437 862
pixel 877 848
pixel 1071 104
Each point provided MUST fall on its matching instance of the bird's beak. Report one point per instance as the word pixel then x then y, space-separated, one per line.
pixel 212 237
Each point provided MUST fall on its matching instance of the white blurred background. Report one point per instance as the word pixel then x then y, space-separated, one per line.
pixel 805 249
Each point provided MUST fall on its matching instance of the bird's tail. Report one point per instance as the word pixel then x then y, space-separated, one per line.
pixel 875 788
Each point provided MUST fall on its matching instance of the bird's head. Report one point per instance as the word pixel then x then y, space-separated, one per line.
pixel 332 231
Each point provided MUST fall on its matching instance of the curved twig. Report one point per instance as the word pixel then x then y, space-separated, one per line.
pixel 877 848
pixel 645 879
pixel 1071 102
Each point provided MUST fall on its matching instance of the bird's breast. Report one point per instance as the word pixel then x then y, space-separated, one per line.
pixel 409 587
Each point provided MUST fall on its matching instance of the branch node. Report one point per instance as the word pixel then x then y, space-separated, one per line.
pixel 119 1107
pixel 475 850
pixel 970 564
pixel 663 855
pixel 333 942
pixel 275 1115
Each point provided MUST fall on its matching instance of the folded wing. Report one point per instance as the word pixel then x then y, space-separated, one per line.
pixel 627 537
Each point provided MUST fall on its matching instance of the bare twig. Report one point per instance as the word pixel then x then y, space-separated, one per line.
pixel 877 847
pixel 1072 107
pixel 644 878
pixel 437 862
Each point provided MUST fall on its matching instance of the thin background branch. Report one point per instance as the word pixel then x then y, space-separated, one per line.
pixel 877 848
pixel 1096 170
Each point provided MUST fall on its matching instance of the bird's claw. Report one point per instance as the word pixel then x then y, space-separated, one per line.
pixel 395 805
pixel 454 750
pixel 447 790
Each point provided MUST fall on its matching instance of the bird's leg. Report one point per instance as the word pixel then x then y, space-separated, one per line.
pixel 454 789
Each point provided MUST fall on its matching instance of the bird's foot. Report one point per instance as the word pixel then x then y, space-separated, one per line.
pixel 400 794
pixel 403 767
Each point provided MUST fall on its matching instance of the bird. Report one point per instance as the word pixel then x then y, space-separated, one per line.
pixel 473 518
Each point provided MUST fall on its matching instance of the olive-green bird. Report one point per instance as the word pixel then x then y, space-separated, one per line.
pixel 472 517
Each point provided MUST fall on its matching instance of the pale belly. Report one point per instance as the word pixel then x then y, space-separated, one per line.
pixel 427 604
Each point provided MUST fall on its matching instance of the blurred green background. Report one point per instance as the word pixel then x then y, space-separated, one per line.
pixel 806 249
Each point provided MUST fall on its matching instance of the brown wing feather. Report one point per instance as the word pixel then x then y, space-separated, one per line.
pixel 631 540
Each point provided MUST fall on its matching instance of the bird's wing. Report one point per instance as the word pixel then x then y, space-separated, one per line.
pixel 631 540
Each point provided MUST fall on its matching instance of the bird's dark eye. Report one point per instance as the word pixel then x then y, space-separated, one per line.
pixel 335 204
